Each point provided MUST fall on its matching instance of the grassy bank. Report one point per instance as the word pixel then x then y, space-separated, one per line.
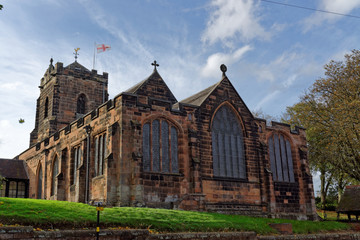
pixel 57 214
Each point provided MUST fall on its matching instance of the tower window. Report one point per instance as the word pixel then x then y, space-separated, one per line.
pixel 46 107
pixel 81 104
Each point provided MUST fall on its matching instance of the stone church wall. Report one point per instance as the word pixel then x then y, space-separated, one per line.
pixel 189 179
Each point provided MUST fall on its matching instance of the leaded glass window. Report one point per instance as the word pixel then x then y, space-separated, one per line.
pixel 146 147
pixel 12 189
pixel 281 162
pixel 160 147
pixel 227 145
pixel 39 182
pixel 21 190
pixel 77 156
pixel 55 172
pixel 2 188
pixel 81 104
pixel 100 153
pixel 46 107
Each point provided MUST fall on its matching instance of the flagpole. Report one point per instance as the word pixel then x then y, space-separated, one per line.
pixel 94 55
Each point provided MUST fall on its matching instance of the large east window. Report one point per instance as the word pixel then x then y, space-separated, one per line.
pixel 160 147
pixel 281 162
pixel 227 145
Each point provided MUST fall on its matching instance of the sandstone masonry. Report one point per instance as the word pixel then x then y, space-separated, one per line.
pixel 144 148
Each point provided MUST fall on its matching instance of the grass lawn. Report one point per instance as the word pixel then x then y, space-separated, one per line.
pixel 58 214
pixel 332 215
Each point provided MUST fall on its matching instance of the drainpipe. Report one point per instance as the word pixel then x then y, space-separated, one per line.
pixel 88 131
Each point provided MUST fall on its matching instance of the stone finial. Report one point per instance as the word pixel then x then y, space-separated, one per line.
pixel 223 68
pixel 51 65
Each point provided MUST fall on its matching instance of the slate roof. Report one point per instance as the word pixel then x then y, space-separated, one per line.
pixel 77 66
pixel 350 200
pixel 153 79
pixel 136 86
pixel 198 98
pixel 10 168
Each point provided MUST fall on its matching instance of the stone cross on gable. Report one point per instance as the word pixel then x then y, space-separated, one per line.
pixel 155 64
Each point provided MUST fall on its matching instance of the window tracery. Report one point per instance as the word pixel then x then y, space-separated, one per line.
pixel 160 147
pixel 227 145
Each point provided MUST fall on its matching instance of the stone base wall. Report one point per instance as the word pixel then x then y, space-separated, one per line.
pixel 27 233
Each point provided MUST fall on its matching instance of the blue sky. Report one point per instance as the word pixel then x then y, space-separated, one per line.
pixel 273 52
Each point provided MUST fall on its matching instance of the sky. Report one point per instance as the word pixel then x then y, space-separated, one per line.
pixel 273 52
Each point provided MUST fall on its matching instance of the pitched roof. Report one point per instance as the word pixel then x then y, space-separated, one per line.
pixel 10 168
pixel 136 86
pixel 350 200
pixel 198 98
pixel 77 66
pixel 153 86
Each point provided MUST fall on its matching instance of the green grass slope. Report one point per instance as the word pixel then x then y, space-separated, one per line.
pixel 58 214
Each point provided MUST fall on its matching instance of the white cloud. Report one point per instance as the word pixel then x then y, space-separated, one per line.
pixel 215 60
pixel 282 76
pixel 289 81
pixel 276 68
pixel 233 19
pixel 98 15
pixel 267 99
pixel 338 6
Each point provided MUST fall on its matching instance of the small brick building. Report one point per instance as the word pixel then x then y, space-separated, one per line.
pixel 14 180
pixel 145 148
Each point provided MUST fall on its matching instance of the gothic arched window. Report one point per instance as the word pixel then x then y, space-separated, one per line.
pixel 281 162
pixel 81 104
pixel 39 182
pixel 55 172
pixel 46 107
pixel 227 145
pixel 75 162
pixel 100 153
pixel 160 147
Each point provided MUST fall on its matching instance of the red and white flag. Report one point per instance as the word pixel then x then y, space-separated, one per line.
pixel 102 48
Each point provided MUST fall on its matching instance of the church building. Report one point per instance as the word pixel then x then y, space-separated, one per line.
pixel 144 148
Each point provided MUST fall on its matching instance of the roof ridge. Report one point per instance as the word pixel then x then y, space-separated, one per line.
pixel 202 95
pixel 75 65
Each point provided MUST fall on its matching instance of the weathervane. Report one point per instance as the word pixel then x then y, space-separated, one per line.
pixel 76 53
pixel 155 64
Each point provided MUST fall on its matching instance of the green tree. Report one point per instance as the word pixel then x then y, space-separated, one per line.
pixel 260 114
pixel 330 110
pixel 1 182
pixel 318 147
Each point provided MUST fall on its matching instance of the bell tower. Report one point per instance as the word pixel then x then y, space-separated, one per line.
pixel 66 94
